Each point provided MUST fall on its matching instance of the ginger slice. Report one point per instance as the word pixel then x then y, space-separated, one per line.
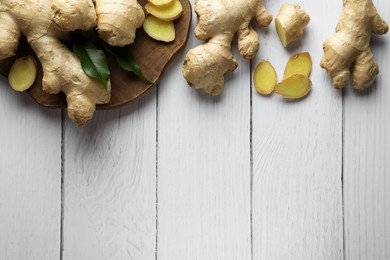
pixel 300 63
pixel 290 23
pixel 159 30
pixel 294 87
pixel 265 78
pixel 23 73
pixel 166 13
pixel 161 3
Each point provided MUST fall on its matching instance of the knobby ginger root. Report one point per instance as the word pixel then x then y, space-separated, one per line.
pixel 298 64
pixel 294 87
pixel 61 68
pixel 265 78
pixel 22 73
pixel 290 23
pixel 350 45
pixel 166 13
pixel 116 21
pixel 218 21
pixel 159 29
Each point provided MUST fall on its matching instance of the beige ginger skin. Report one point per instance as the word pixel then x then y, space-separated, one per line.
pixel 218 21
pixel 116 21
pixel 61 68
pixel 350 45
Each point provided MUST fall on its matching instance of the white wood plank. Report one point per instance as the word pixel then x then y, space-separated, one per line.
pixel 110 184
pixel 30 178
pixel 366 160
pixel 203 167
pixel 297 153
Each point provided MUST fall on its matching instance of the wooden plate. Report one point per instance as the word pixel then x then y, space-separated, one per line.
pixel 152 56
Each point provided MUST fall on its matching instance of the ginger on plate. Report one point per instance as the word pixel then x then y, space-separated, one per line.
pixel 161 3
pixel 159 30
pixel 265 78
pixel 290 23
pixel 22 73
pixel 61 68
pixel 218 21
pixel 166 13
pixel 350 45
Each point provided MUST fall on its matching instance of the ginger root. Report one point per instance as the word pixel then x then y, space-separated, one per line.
pixel 265 78
pixel 290 23
pixel 218 21
pixel 350 45
pixel 61 68
pixel 22 73
pixel 116 21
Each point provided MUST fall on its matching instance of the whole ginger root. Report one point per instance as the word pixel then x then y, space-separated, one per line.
pixel 350 45
pixel 218 21
pixel 61 68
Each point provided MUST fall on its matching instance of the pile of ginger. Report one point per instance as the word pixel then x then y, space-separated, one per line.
pixel 46 23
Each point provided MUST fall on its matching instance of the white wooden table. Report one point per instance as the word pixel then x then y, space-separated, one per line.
pixel 178 175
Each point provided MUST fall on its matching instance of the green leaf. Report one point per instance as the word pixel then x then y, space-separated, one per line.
pixel 93 60
pixel 126 61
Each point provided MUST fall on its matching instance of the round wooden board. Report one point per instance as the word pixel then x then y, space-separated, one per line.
pixel 152 56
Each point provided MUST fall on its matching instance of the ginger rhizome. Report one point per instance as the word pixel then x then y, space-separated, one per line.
pixel 349 48
pixel 218 21
pixel 61 68
pixel 290 23
pixel 116 21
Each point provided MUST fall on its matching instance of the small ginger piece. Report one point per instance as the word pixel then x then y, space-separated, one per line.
pixel 166 13
pixel 161 3
pixel 298 64
pixel 265 78
pixel 290 23
pixel 347 53
pixel 22 73
pixel 159 30
pixel 218 21
pixel 294 87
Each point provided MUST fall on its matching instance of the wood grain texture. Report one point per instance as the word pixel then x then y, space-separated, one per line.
pixel 151 55
pixel 297 148
pixel 30 178
pixel 366 160
pixel 110 185
pixel 204 167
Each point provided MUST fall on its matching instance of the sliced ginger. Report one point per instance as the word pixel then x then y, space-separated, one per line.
pixel 298 64
pixel 290 23
pixel 161 3
pixel 166 13
pixel 159 30
pixel 265 78
pixel 294 87
pixel 22 73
